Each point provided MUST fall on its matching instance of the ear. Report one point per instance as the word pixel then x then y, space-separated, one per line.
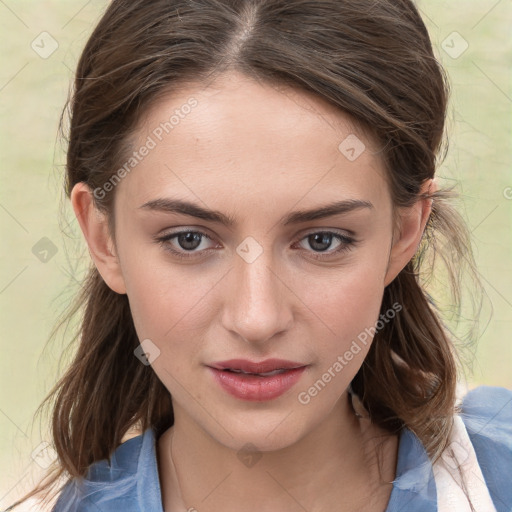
pixel 412 224
pixel 95 229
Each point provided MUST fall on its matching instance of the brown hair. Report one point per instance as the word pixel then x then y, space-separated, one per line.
pixel 372 60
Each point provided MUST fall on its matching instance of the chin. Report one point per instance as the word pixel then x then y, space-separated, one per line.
pixel 261 435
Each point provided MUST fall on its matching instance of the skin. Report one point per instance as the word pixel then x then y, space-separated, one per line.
pixel 257 153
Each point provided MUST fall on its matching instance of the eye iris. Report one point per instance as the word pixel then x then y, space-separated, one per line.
pixel 321 239
pixel 184 239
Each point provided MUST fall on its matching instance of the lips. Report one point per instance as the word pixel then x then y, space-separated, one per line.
pixel 256 380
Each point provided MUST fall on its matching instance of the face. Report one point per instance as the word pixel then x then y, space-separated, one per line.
pixel 261 278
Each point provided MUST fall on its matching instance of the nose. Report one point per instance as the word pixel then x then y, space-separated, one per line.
pixel 257 306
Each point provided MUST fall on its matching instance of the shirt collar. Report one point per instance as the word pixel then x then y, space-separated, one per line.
pixel 414 485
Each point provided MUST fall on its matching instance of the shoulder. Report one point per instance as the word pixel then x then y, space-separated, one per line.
pixel 115 484
pixel 487 415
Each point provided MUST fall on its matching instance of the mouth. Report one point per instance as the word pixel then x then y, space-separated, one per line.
pixel 257 382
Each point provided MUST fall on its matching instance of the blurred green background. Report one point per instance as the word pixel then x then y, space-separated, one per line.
pixel 41 263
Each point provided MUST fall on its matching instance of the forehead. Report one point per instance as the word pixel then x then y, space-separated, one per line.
pixel 268 142
pixel 242 108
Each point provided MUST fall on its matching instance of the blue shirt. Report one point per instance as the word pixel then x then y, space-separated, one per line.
pixel 130 482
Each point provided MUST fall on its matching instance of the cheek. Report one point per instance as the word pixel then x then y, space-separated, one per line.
pixel 355 303
pixel 169 306
pixel 347 308
pixel 348 300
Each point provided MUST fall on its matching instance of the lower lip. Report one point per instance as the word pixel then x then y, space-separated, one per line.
pixel 254 388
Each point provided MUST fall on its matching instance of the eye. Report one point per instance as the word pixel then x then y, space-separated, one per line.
pixel 188 243
pixel 320 241
pixel 185 241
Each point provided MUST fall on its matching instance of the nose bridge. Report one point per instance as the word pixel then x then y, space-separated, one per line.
pixel 257 309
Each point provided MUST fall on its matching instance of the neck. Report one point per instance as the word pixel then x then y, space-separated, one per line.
pixel 337 466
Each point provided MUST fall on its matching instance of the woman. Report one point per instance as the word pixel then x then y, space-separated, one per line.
pixel 255 183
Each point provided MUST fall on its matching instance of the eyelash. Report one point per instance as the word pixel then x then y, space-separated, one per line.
pixel 347 243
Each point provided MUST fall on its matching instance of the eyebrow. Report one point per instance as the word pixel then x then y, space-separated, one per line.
pixel 194 210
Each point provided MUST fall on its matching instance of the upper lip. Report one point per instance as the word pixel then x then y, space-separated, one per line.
pixel 268 365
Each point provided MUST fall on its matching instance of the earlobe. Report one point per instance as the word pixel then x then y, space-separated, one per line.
pixel 94 226
pixel 412 225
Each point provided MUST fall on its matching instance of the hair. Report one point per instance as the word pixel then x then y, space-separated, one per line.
pixel 372 60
